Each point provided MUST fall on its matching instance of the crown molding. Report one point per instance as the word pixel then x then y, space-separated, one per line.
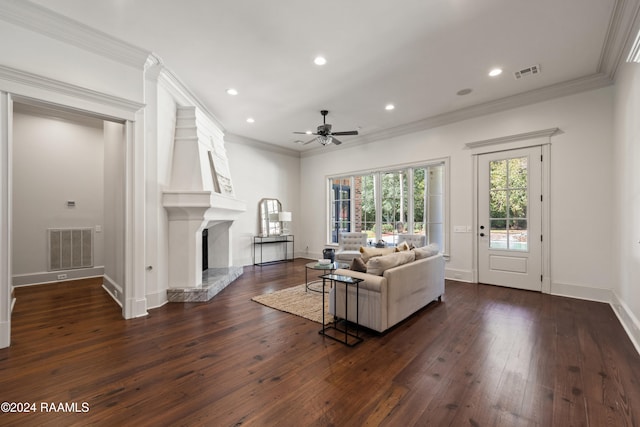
pixel 571 87
pixel 26 85
pixel 620 34
pixel 183 95
pixel 260 145
pixel 44 21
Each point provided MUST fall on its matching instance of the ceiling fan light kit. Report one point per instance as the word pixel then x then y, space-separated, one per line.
pixel 324 135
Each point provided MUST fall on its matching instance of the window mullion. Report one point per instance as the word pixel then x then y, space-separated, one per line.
pixel 377 185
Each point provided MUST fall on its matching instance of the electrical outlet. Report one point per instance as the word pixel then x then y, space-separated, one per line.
pixel 62 276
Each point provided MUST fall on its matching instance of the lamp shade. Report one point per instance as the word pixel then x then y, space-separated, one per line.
pixel 284 216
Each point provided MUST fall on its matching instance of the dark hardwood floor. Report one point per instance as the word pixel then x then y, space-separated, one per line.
pixel 485 356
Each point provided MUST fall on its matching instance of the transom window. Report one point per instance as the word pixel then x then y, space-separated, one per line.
pixel 391 203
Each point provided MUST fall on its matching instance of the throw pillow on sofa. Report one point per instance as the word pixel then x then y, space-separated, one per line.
pixel 378 265
pixel 358 265
pixel 368 253
pixel 426 251
pixel 404 246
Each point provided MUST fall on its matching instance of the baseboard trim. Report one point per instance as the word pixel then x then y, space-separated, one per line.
pixel 52 276
pixel 581 292
pixel 157 299
pixel 629 322
pixel 459 275
pixel 136 308
pixel 113 289
pixel 5 334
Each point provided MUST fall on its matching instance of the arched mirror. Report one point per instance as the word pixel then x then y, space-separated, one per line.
pixel 270 224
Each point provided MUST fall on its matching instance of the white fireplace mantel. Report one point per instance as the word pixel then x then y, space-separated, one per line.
pixel 203 205
pixel 200 196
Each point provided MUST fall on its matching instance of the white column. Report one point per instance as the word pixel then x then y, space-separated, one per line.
pixel 135 304
pixel 6 294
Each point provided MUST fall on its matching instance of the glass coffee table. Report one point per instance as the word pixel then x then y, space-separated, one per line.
pixel 325 269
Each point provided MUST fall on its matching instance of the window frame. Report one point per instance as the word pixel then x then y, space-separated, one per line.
pixel 407 168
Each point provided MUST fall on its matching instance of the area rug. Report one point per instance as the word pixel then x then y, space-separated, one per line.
pixel 297 301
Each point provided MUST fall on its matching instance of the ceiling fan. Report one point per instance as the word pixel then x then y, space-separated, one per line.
pixel 324 135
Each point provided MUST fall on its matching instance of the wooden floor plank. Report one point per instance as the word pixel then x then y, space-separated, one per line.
pixel 485 355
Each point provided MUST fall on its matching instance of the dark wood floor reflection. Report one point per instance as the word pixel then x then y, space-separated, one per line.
pixel 485 356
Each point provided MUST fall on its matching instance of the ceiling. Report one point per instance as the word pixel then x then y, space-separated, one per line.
pixel 415 54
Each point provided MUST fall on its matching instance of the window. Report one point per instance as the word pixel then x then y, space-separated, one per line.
pixel 387 204
pixel 340 206
pixel 508 199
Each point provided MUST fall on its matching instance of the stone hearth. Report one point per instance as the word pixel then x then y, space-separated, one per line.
pixel 214 280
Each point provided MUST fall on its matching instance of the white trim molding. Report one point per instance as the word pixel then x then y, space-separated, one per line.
pixel 33 88
pixel 545 133
pixel 629 322
pixel 45 21
pixel 52 276
pixel 6 289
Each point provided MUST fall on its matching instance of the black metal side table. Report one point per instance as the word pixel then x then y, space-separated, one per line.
pixel 332 331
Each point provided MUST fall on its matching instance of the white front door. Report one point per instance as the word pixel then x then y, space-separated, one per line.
pixel 510 218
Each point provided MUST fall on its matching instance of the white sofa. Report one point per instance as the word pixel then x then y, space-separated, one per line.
pixel 392 297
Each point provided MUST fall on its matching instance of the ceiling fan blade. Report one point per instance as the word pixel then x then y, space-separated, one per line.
pixel 306 133
pixel 349 132
pixel 335 140
pixel 310 141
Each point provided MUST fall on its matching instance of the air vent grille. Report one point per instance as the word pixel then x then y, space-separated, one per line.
pixel 70 248
pixel 526 72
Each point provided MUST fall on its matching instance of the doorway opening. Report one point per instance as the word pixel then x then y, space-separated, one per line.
pixel 68 173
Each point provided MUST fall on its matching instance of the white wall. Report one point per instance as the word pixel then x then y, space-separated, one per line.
pixel 626 210
pixel 259 173
pixel 55 160
pixel 581 170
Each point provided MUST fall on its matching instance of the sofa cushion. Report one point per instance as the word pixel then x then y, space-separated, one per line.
pixel 426 251
pixel 368 252
pixel 378 265
pixel 358 265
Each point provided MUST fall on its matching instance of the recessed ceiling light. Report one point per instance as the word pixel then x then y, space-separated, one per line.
pixel 463 92
pixel 250 120
pixel 495 72
pixel 389 107
pixel 320 60
pixel 231 91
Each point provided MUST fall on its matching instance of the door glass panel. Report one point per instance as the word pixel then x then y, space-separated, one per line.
pixel 518 235
pixel 508 202
pixel 498 234
pixel 518 203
